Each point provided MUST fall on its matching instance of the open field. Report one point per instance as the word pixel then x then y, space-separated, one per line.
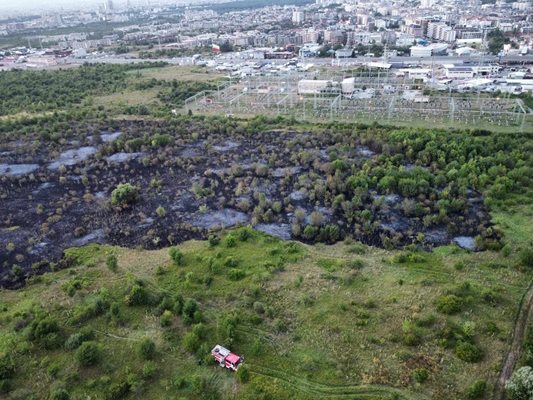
pixel 181 73
pixel 343 260
pixel 311 321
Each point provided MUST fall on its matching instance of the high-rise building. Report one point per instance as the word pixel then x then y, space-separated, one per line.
pixel 298 17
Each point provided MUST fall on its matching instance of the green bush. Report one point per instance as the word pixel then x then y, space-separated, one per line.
pixel 125 194
pixel 5 386
pixel 45 332
pixel 88 354
pixel 166 318
pixel 244 234
pixel 420 375
pixel 236 274
pixel 520 386
pixel 230 241
pixel 213 240
pixel 96 306
pixel 190 312
pixel 76 339
pixel 137 296
pixel 112 262
pixel 146 349
pixel 176 255
pixel 149 370
pixel 7 366
pixel 191 342
pixel 231 262
pixel 477 390
pixel 356 264
pixel 526 257
pixel 118 391
pixel 59 394
pixel 449 304
pixel 468 352
pixel 243 374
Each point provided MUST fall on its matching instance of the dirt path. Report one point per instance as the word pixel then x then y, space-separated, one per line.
pixel 321 390
pixel 515 351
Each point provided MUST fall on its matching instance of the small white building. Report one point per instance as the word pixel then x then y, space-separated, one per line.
pixel 459 72
pixel 311 86
pixel 348 86
pixel 421 51
pixel 416 73
pixel 430 50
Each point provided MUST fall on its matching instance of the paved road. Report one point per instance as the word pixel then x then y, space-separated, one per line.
pixel 233 57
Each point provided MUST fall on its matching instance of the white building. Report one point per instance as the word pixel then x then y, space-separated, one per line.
pixel 298 17
pixel 348 86
pixel 418 73
pixel 430 50
pixel 421 51
pixel 459 72
pixel 311 86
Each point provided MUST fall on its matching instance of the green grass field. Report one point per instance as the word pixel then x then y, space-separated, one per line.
pixel 339 321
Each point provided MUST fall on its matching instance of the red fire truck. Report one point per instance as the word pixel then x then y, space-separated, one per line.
pixel 225 358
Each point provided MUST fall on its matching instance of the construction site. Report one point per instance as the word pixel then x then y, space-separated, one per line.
pixel 362 96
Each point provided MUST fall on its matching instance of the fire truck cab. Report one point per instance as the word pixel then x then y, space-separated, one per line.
pixel 225 358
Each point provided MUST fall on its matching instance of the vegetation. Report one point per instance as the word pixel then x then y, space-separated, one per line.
pixel 372 302
pixel 138 330
pixel 38 91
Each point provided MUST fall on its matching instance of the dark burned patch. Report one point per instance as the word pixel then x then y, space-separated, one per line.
pixel 311 187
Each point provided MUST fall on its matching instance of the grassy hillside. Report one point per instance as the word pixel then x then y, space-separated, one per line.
pixel 341 321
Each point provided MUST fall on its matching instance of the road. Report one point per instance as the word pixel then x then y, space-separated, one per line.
pixel 235 58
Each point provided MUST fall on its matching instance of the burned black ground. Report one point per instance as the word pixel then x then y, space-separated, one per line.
pixel 319 185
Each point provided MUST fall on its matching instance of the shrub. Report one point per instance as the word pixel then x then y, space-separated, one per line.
pixel 200 330
pixel 112 262
pixel 59 394
pixel 53 370
pixel 230 241
pixel 526 257
pixel 213 240
pixel 190 312
pixel 118 390
pixel 146 349
pixel 356 264
pixel 149 370
pixel 166 318
pixel 125 194
pixel 160 211
pixel 411 334
pixel 420 375
pixel 244 234
pixel 231 262
pixel 88 354
pixel 468 352
pixel 236 274
pixel 45 331
pixel 243 374
pixel 449 304
pixel 95 307
pixel 191 342
pixel 176 255
pixel 137 296
pixel 520 386
pixel 5 385
pixel 7 366
pixel 76 339
pixel 309 232
pixel 477 390
pixel 259 307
